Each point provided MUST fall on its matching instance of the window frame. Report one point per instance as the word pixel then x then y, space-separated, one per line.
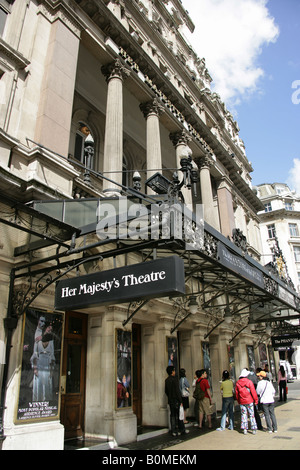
pixel 268 207
pixel 294 230
pixel 271 231
pixel 296 250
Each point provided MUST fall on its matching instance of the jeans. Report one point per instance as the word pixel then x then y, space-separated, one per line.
pixel 268 410
pixel 282 388
pixel 176 423
pixel 227 405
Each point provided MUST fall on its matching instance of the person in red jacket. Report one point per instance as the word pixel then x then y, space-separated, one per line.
pixel 246 397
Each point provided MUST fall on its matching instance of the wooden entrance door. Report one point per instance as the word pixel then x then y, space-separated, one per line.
pixel 136 373
pixel 73 375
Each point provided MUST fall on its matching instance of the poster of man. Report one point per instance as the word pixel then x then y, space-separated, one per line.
pixel 41 360
pixel 251 358
pixel 172 347
pixel 123 339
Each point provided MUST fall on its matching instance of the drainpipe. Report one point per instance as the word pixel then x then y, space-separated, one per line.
pixel 10 324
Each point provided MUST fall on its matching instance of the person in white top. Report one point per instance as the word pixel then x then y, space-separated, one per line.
pixel 266 393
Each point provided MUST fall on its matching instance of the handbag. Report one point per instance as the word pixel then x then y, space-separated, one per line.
pixel 185 391
pixel 181 413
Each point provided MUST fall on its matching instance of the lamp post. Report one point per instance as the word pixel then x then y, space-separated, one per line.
pixel 88 157
pixel 159 184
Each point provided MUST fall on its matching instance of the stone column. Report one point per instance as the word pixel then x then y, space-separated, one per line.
pixel 226 212
pixel 154 352
pixel 180 141
pixel 114 73
pixel 53 120
pixel 206 191
pixel 152 110
pixel 102 415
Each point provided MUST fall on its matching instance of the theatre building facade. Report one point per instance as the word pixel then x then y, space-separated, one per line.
pixel 129 235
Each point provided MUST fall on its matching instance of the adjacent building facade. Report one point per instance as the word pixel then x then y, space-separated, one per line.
pixel 280 225
pixel 101 103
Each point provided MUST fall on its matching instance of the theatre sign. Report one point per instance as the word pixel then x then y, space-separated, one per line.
pixel 153 279
pixel 285 341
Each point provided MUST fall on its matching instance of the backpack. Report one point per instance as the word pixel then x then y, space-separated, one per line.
pixel 198 394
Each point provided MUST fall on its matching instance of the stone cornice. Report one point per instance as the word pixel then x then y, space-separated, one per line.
pixel 59 9
pixel 14 56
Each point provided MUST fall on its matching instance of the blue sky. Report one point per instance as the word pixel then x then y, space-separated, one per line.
pixel 252 51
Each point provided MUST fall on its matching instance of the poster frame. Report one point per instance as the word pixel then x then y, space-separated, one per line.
pixel 27 376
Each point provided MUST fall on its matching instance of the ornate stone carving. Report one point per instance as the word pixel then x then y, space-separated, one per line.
pixel 180 137
pixel 115 70
pixel 152 107
pixel 203 162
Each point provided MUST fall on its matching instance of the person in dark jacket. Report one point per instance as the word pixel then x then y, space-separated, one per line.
pixel 172 391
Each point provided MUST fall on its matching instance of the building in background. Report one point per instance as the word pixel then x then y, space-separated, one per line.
pixel 280 233
pixel 102 102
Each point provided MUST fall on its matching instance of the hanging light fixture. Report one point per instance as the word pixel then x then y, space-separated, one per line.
pixel 268 329
pixel 227 315
pixel 193 305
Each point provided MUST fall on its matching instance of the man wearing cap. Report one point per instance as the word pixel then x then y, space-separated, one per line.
pixel 266 393
pixel 246 396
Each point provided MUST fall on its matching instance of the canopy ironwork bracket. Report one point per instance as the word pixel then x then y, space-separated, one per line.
pixel 181 321
pixel 133 304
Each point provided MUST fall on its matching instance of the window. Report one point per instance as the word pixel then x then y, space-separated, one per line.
pixel 81 135
pixel 297 253
pixel 5 10
pixel 268 207
pixel 271 231
pixel 3 17
pixel 288 206
pixel 294 232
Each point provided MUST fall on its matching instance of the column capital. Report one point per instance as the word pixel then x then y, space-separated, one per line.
pixel 224 182
pixel 203 162
pixel 152 107
pixel 181 137
pixel 115 69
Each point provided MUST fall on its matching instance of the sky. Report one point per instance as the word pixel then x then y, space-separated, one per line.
pixel 252 52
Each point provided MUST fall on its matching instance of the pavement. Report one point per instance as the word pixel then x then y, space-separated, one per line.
pixel 287 437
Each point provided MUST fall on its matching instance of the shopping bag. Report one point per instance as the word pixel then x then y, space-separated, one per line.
pixel 181 413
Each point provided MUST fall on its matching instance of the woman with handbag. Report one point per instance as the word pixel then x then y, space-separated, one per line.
pixel 266 393
pixel 185 392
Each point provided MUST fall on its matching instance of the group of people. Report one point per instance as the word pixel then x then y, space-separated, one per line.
pixel 178 392
pixel 253 391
